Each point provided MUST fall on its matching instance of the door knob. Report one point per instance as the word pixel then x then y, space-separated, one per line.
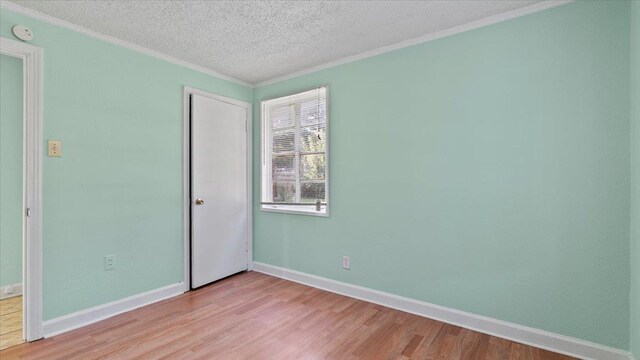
pixel 199 202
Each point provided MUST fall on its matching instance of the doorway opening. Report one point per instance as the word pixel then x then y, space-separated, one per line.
pixel 20 193
pixel 11 201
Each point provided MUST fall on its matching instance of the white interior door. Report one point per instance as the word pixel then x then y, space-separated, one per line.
pixel 219 213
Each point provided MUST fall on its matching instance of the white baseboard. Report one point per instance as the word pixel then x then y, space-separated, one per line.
pixel 85 317
pixel 514 332
pixel 17 291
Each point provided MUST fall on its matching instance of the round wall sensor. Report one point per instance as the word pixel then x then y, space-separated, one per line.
pixel 22 32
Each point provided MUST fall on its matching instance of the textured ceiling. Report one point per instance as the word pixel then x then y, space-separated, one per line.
pixel 259 40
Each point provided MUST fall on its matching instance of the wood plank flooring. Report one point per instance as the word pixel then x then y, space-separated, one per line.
pixel 10 322
pixel 256 316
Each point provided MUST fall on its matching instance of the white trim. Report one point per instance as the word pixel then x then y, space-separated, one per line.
pixel 32 245
pixel 250 186
pixel 17 291
pixel 295 210
pixel 186 144
pixel 85 317
pixel 77 28
pixel 518 333
pixel 543 5
pixel 265 159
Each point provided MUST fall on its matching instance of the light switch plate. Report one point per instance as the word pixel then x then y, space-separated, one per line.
pixel 55 148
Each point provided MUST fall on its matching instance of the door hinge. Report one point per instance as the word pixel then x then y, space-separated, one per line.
pixel 28 212
pixel 246 126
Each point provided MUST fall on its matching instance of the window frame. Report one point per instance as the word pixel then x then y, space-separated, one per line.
pixel 266 156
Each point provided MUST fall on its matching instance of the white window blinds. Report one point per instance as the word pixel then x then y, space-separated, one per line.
pixel 294 153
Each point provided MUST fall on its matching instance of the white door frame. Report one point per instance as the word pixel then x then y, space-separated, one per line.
pixel 186 178
pixel 32 179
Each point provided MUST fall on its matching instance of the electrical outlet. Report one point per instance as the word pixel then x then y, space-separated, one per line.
pixel 109 262
pixel 346 262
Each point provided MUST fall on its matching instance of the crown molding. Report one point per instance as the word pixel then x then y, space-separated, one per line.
pixel 4 4
pixel 530 9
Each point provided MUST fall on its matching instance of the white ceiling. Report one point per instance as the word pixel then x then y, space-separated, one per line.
pixel 256 41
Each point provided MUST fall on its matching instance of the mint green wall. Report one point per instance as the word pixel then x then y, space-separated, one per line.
pixel 118 187
pixel 10 170
pixel 635 176
pixel 486 171
pixel 502 154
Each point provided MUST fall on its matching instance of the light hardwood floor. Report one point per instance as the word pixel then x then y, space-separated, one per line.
pixel 10 322
pixel 256 316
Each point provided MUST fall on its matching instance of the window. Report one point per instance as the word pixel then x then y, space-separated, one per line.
pixel 294 154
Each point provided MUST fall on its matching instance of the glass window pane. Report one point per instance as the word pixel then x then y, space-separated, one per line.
pixel 313 138
pixel 281 117
pixel 284 168
pixel 312 167
pixel 283 140
pixel 311 192
pixel 312 111
pixel 284 191
pixel 295 142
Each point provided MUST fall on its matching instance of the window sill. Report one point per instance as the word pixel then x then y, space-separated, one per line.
pixel 297 210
